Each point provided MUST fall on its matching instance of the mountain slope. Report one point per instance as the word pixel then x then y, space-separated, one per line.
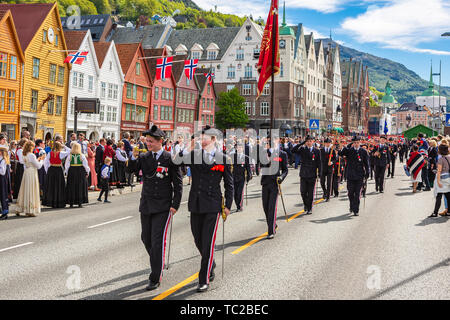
pixel 406 84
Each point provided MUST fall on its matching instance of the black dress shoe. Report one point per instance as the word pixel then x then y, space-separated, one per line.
pixel 270 236
pixel 3 217
pixel 427 189
pixel 152 285
pixel 356 214
pixel 202 287
pixel 309 212
pixel 434 215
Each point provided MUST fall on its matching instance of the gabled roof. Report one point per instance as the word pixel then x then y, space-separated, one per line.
pixel 95 23
pixel 204 37
pixel 101 49
pixel 28 18
pixel 126 52
pixel 74 38
pixel 201 80
pixel 410 106
pixel 178 67
pixel 317 44
pixel 151 36
pixel 4 15
pixel 308 42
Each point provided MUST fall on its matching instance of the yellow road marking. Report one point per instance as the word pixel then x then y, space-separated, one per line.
pixel 245 246
pixel 176 287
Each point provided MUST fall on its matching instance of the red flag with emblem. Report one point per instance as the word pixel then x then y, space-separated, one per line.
pixel 269 49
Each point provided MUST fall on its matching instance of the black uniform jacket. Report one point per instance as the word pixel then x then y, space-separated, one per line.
pixel 161 190
pixel 325 157
pixel 241 167
pixel 385 156
pixel 281 158
pixel 357 163
pixel 309 161
pixel 206 195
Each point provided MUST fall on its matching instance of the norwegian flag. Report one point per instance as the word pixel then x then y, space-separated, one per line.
pixel 164 68
pixel 209 76
pixel 76 57
pixel 189 68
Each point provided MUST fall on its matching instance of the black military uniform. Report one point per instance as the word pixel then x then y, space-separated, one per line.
pixel 310 165
pixel 381 160
pixel 357 171
pixel 401 151
pixel 162 190
pixel 393 149
pixel 208 168
pixel 274 169
pixel 241 174
pixel 336 172
pixel 327 172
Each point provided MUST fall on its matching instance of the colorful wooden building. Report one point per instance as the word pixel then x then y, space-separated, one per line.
pixel 137 89
pixel 43 107
pixel 11 66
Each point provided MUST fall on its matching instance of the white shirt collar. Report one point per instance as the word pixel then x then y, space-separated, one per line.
pixel 158 154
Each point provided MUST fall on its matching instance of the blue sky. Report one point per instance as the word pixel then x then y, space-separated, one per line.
pixel 405 31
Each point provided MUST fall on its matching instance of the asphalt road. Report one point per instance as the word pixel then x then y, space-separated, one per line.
pixel 391 251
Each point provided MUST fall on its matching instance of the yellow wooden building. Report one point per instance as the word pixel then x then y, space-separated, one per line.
pixel 11 64
pixel 43 107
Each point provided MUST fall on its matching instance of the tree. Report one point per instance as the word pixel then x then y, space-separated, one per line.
pixel 230 110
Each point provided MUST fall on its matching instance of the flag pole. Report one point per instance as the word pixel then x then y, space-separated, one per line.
pixel 272 102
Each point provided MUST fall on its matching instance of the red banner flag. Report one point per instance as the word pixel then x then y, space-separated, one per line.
pixel 269 49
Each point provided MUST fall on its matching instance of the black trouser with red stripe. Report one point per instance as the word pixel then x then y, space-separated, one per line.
pixel 154 233
pixel 270 199
pixel 239 192
pixel 204 228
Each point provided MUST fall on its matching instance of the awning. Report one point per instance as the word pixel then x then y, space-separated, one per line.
pixel 285 126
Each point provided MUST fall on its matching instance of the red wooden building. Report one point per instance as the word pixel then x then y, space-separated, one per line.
pixel 137 89
pixel 162 111
pixel 206 105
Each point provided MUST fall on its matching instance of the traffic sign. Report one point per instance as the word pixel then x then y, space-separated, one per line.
pixel 447 120
pixel 314 124
pixel 329 127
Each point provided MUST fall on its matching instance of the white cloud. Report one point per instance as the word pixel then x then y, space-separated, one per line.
pixel 317 34
pixel 259 8
pixel 402 24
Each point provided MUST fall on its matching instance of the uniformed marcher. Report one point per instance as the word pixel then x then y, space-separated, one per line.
pixel 357 172
pixel 382 160
pixel 242 174
pixel 393 149
pixel 208 167
pixel 160 199
pixel 273 172
pixel 310 166
pixel 328 158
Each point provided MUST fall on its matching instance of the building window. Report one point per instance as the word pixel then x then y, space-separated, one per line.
pixel 91 83
pixel 75 79
pixel 102 113
pixel 60 76
pixel 44 36
pixel 2 99
pixel 171 94
pixel 155 112
pixel 11 101
pixel 231 72
pixel 266 90
pixel 138 68
pixel 281 70
pixel 240 54
pixel 248 107
pixel 297 110
pixel 129 88
pixel 3 65
pixel 166 113
pixel 36 63
pixel 248 71
pixel 13 68
pixel 246 89
pixel 110 91
pixel 115 92
pixel 52 75
pixel 212 55
pixel 156 93
pixel 134 91
pixel 34 100
pixel 264 109
pixel 230 87
pixel 103 90
pixel 56 40
pixel 81 81
pixel 50 106
pixel 109 114
pixel 196 54
pixel 144 94
pixel 114 114
pixel 59 100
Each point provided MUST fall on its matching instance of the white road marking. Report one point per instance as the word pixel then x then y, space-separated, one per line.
pixel 18 246
pixel 102 224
